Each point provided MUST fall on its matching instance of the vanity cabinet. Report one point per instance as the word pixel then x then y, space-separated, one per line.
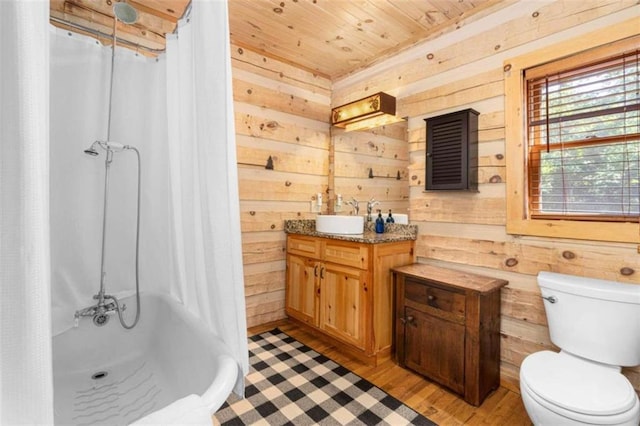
pixel 447 328
pixel 342 290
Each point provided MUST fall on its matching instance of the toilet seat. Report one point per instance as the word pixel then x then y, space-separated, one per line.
pixel 577 388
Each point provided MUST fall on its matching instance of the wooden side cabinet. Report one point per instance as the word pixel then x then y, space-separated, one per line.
pixel 447 328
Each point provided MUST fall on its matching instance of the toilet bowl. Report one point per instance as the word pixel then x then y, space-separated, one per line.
pixel 562 389
pixel 596 324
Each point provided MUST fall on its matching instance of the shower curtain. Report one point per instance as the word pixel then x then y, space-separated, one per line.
pixel 51 194
pixel 26 390
pixel 204 183
pixel 177 109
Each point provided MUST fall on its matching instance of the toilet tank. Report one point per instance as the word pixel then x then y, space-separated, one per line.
pixel 595 319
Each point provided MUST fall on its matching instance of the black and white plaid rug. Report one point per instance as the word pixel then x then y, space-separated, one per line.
pixel 291 384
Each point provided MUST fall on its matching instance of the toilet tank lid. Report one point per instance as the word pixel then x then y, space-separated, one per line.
pixel 560 380
pixel 590 287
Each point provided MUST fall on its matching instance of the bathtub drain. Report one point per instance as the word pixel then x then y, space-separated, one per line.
pixel 99 375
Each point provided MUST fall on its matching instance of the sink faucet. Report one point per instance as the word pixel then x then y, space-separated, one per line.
pixel 354 204
pixel 370 205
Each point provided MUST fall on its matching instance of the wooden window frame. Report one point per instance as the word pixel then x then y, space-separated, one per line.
pixel 608 42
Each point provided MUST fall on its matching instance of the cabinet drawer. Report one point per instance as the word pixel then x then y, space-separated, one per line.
pixel 425 296
pixel 347 254
pixel 305 246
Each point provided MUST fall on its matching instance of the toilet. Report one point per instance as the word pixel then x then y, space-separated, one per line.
pixel 596 324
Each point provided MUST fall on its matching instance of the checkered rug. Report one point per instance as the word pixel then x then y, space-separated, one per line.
pixel 291 384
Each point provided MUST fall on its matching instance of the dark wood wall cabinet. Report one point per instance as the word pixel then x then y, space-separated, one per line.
pixel 452 151
pixel 447 328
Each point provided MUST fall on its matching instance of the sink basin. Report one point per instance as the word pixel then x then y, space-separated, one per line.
pixel 346 225
pixel 401 218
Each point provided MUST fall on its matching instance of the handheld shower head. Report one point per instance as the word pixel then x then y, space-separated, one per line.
pixel 107 146
pixel 92 150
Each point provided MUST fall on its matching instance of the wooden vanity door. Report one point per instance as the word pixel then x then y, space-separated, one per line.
pixel 344 303
pixel 303 280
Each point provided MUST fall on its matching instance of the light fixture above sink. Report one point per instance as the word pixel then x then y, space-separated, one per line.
pixel 366 113
pixel 343 225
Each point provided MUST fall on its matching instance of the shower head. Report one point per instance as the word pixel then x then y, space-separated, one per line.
pixel 92 149
pixel 125 13
pixel 107 146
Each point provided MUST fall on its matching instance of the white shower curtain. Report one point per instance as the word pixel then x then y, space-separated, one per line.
pixel 26 390
pixel 203 174
pixel 193 204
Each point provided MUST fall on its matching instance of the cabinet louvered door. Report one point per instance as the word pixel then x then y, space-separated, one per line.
pixel 452 151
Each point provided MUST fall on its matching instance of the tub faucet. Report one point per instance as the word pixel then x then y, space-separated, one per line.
pixel 354 204
pixel 100 311
pixel 370 205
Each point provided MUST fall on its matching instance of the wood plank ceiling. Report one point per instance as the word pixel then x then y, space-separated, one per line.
pixel 330 37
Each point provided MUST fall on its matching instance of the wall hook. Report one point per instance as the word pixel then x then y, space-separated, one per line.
pixel 268 166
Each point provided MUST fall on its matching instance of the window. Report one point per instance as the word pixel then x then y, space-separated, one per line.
pixel 572 138
pixel 583 137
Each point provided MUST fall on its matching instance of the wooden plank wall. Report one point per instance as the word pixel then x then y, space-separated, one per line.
pixel 467 231
pixel 281 112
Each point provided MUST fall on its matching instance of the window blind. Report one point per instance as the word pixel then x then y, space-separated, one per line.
pixel 584 140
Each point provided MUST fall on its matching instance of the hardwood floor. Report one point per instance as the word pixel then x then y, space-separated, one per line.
pixel 502 407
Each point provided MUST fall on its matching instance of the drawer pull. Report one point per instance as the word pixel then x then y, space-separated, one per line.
pixel 408 320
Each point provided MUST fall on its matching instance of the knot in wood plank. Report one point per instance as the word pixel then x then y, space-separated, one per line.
pixel 511 262
pixel 626 271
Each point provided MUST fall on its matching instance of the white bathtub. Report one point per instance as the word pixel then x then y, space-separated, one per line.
pixel 168 355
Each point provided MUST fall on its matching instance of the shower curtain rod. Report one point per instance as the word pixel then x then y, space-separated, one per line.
pixel 97 34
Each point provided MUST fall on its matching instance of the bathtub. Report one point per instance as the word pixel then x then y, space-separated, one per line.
pixel 109 375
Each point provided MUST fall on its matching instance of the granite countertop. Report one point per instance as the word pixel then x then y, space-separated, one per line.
pixel 393 232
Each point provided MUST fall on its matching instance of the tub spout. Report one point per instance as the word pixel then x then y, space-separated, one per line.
pixel 86 312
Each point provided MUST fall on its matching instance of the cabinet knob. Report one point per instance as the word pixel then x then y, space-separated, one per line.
pixel 408 320
pixel 431 298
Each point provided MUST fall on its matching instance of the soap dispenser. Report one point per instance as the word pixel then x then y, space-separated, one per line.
pixel 379 223
pixel 390 218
